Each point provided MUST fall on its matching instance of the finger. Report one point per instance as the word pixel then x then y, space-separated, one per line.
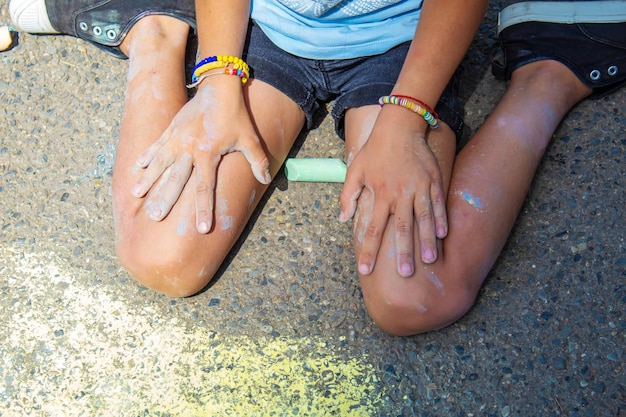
pixel 205 186
pixel 153 172
pixel 439 211
pixel 146 157
pixel 352 188
pixel 403 219
pixel 374 230
pixel 254 153
pixel 172 188
pixel 426 225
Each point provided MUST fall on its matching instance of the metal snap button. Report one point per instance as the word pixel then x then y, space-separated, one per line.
pixel 83 26
pixel 111 34
pixel 612 71
pixel 97 30
pixel 595 75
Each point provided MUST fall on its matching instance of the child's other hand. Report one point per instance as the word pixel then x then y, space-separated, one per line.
pixel 215 122
pixel 403 176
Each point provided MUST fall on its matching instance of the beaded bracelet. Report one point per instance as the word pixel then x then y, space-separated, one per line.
pixel 235 69
pixel 224 60
pixel 414 105
pixel 217 71
pixel 235 66
pixel 421 103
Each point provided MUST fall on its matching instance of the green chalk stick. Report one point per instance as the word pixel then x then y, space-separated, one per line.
pixel 315 169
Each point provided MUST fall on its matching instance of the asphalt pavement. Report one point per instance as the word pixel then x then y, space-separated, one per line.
pixel 283 330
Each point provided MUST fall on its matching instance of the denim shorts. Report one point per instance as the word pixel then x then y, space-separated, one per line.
pixel 594 48
pixel 347 82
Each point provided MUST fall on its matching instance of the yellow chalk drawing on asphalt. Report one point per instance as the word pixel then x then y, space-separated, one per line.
pixel 278 377
pixel 71 351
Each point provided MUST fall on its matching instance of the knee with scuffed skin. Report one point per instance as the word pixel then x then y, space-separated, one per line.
pixel 175 270
pixel 405 310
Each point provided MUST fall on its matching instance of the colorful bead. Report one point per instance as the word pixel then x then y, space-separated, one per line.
pixel 420 102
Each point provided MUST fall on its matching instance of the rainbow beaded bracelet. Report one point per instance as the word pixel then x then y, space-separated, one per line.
pixel 414 105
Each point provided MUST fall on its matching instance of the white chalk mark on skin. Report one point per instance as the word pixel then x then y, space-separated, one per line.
pixel 201 272
pixel 391 253
pixel 252 198
pixel 152 203
pixel 148 84
pixel 421 308
pixel 472 200
pixel 363 136
pixel 349 159
pixel 361 223
pixel 208 103
pixel 531 135
pixel 226 221
pixel 187 211
pixel 434 279
pixel 136 64
pixel 366 129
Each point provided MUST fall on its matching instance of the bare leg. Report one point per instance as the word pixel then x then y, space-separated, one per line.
pixel 488 185
pixel 171 256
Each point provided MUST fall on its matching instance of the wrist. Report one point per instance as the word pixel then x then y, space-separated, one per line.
pixel 400 118
pixel 222 89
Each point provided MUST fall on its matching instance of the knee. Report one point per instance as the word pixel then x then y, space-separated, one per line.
pixel 550 76
pixel 418 306
pixel 175 269
pixel 155 32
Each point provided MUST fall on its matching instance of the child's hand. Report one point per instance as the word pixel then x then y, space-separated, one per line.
pixel 401 172
pixel 215 122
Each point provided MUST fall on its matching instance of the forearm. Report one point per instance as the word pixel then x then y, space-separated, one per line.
pixel 222 26
pixel 445 30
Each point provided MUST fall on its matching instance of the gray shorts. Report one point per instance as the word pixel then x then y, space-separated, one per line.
pixel 348 82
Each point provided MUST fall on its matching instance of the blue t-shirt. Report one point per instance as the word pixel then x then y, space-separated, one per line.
pixel 337 29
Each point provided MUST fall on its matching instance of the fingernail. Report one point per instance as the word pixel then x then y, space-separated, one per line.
pixel 203 227
pixel 155 213
pixel 406 269
pixel 429 255
pixel 136 191
pixel 342 216
pixel 268 177
pixel 441 233
pixel 364 269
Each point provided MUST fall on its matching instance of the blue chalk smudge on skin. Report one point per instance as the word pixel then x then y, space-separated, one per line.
pixel 182 226
pixel 434 279
pixel 392 248
pixel 474 201
pixel 227 222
